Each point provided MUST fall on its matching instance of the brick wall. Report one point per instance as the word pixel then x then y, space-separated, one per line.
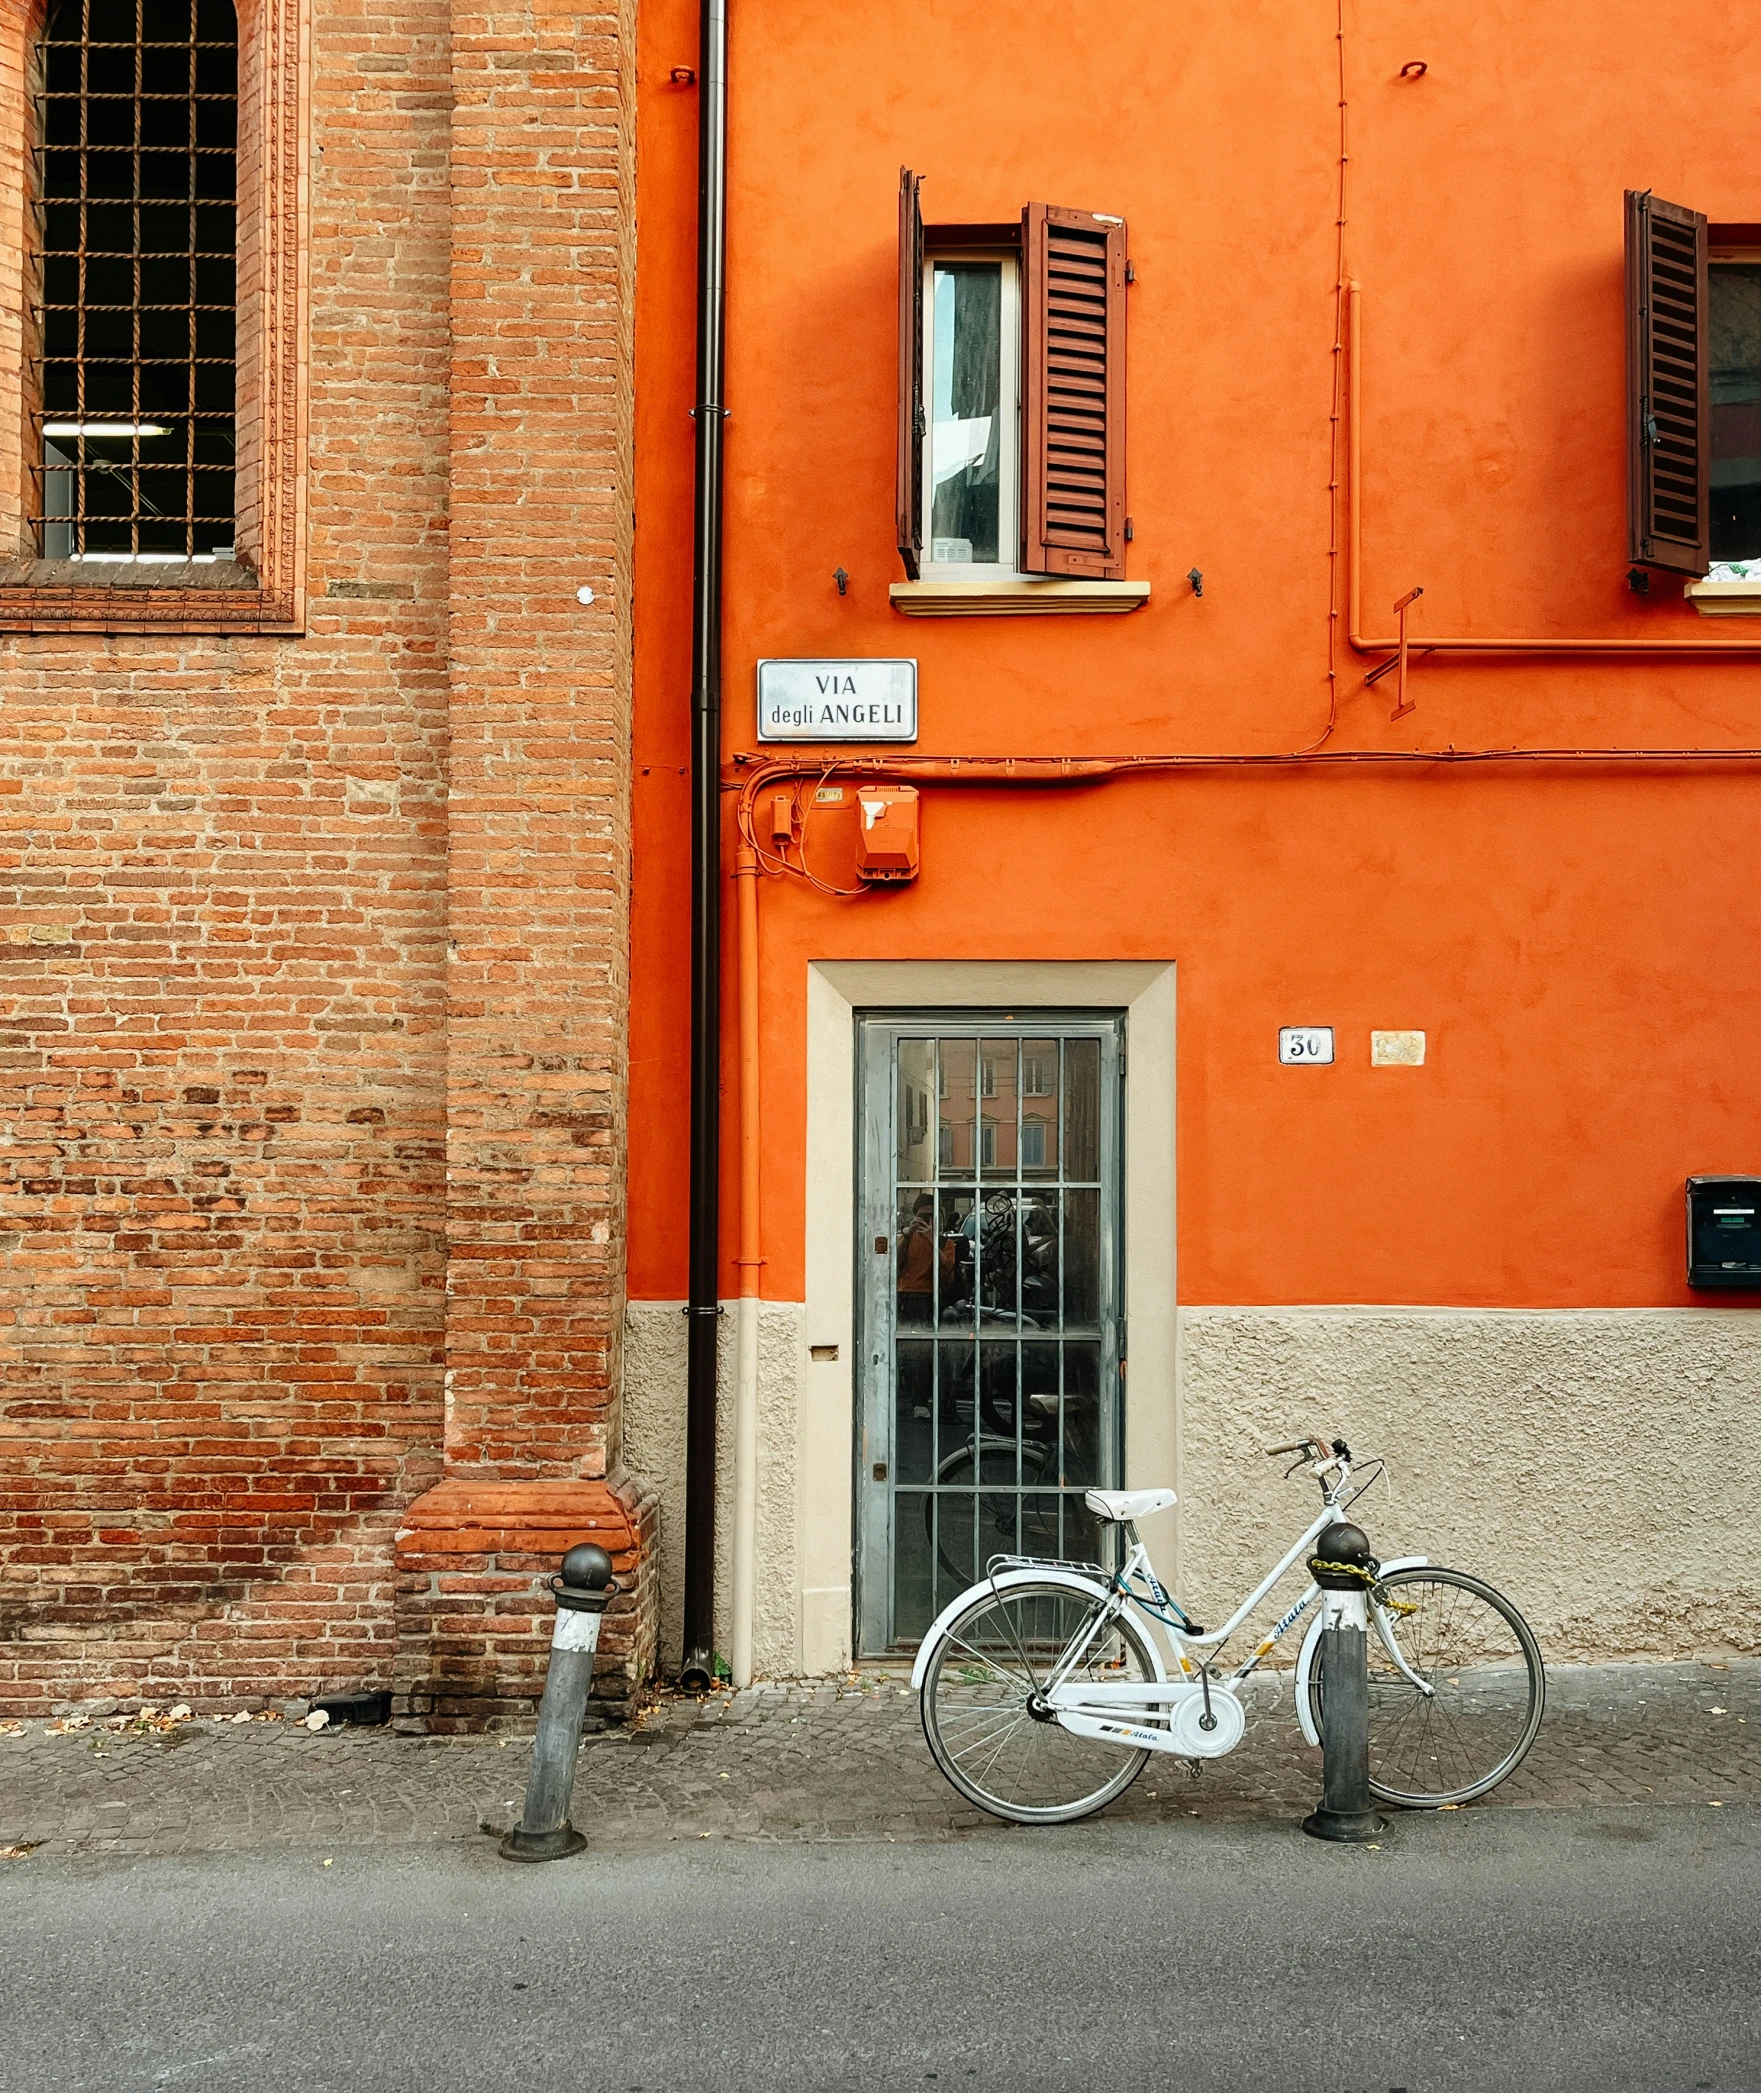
pixel 236 1059
pixel 538 843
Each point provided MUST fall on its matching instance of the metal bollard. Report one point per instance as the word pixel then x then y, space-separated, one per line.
pixel 583 1592
pixel 1343 1566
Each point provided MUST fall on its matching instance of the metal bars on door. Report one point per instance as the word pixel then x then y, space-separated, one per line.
pixel 989 1273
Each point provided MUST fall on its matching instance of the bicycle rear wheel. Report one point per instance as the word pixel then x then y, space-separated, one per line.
pixel 978 1696
pixel 1468 1644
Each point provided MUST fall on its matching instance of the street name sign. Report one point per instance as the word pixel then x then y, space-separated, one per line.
pixel 837 701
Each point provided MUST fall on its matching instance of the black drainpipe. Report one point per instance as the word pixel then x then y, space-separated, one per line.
pixel 702 1307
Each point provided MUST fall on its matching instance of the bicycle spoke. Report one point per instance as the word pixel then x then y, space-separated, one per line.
pixel 1001 1727
pixel 983 1657
pixel 1009 1622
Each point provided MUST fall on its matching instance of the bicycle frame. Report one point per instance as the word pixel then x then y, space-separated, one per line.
pixel 1137 1565
pixel 1098 1704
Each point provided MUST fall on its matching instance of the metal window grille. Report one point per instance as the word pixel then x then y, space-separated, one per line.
pixel 132 375
pixel 990 1233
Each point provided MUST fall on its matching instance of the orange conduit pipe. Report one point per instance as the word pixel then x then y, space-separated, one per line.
pixel 1698 648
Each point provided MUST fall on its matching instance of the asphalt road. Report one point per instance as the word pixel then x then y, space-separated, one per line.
pixel 1601 1949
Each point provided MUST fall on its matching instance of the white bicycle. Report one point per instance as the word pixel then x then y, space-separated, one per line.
pixel 1044 1690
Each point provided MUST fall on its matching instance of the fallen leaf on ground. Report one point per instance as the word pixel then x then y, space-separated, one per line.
pixel 149 1720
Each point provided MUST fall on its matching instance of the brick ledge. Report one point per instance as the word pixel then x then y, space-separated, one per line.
pixel 458 1517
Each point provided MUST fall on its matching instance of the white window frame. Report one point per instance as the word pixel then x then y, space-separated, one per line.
pixel 1009 403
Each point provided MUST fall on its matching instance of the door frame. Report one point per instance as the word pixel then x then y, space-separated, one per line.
pixel 825 1504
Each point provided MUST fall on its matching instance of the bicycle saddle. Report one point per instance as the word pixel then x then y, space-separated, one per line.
pixel 1128 1504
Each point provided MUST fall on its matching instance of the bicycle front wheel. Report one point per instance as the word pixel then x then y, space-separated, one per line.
pixel 981 1691
pixel 1479 1660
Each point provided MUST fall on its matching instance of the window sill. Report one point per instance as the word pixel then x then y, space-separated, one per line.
pixel 1725 599
pixel 38 596
pixel 1022 596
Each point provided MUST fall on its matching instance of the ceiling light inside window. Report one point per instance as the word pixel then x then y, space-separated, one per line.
pixel 104 429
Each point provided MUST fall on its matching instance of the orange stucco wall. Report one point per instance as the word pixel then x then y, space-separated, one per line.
pixel 1579 945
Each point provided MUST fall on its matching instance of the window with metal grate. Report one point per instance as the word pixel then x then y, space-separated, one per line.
pixel 132 373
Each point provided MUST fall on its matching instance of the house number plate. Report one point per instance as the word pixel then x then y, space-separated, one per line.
pixel 837 701
pixel 1307 1044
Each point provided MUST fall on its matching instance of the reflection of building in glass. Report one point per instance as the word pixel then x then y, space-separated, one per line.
pixel 1735 315
pixel 1020 1087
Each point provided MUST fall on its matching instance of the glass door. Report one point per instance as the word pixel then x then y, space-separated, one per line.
pixel 989 1290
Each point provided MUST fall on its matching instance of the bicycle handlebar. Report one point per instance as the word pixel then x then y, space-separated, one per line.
pixel 1314 1450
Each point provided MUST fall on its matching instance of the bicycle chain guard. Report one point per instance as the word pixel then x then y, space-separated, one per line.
pixel 1192 1740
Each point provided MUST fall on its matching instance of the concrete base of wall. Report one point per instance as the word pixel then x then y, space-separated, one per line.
pixel 654 1449
pixel 1597 1465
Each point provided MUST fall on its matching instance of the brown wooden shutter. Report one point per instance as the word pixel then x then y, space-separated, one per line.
pixel 910 491
pixel 1669 420
pixel 1072 393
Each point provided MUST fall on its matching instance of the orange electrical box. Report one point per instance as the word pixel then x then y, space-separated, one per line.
pixel 886 836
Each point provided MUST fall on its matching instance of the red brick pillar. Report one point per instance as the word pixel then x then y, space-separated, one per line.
pixel 538 831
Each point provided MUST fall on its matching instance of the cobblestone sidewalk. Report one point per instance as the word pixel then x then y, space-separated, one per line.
pixel 786 1763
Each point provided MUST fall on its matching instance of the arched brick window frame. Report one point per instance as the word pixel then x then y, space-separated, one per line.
pixel 37 595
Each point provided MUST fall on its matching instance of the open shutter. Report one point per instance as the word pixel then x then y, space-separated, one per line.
pixel 910 496
pixel 1669 420
pixel 1072 393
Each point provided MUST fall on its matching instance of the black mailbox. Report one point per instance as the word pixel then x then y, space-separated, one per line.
pixel 1724 1232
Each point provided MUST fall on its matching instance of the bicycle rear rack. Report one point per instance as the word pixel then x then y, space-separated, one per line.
pixel 1045 1562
